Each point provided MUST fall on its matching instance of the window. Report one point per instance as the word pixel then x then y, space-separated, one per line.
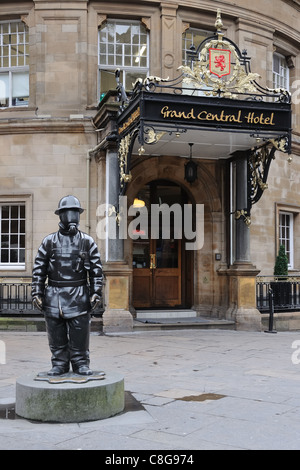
pixel 280 72
pixel 286 235
pixel 122 45
pixel 14 64
pixel 192 37
pixel 12 236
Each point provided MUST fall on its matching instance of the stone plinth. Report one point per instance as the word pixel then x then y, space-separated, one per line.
pixel 242 297
pixel 69 402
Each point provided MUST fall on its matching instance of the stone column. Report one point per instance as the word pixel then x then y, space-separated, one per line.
pixel 114 245
pixel 116 316
pixel 242 274
pixel 242 249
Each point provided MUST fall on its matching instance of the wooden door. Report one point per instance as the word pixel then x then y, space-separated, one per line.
pixel 157 261
pixel 157 273
pixel 166 273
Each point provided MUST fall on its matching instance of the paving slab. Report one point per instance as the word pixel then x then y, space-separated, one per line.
pixel 185 390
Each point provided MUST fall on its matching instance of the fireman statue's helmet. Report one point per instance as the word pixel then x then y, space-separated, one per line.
pixel 69 202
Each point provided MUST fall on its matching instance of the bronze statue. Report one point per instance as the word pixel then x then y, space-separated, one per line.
pixel 70 261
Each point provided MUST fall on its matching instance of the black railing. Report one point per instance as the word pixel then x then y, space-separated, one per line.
pixel 15 298
pixel 15 295
pixel 285 289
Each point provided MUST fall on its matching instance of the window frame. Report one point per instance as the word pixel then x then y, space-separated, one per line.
pixel 287 240
pixel 10 71
pixel 278 77
pixel 206 33
pixel 9 265
pixel 186 61
pixel 125 69
pixel 24 199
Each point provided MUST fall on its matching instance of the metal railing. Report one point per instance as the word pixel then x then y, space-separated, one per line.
pixel 15 298
pixel 15 295
pixel 285 289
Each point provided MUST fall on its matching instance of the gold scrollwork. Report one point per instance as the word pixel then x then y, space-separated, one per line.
pixel 200 75
pixel 152 136
pixel 123 157
pixel 141 151
pixel 242 213
pixel 111 211
pixel 280 144
pixel 258 163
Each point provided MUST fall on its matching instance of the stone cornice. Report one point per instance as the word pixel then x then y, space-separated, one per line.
pixel 44 126
pixel 296 148
pixel 293 3
pixel 244 13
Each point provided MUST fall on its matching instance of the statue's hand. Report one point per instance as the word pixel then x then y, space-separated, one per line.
pixel 95 300
pixel 37 302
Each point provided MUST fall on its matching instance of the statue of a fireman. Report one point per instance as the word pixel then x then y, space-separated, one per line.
pixel 70 261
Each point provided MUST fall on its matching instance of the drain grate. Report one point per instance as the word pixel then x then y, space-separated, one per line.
pixel 202 397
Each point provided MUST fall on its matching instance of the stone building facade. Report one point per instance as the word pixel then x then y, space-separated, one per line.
pixel 59 109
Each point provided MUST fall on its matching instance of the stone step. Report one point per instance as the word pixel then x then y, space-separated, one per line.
pixel 172 313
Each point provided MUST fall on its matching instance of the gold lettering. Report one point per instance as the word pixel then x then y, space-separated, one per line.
pixel 191 114
pixel 164 111
pixel 173 113
pixel 239 117
pixel 130 120
pixel 261 119
pixel 271 120
pixel 205 116
pixel 200 116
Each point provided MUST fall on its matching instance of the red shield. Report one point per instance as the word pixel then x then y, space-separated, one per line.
pixel 219 62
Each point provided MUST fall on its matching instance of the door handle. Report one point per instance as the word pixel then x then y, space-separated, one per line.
pixel 153 261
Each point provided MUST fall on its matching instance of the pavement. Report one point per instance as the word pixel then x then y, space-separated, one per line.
pixel 186 390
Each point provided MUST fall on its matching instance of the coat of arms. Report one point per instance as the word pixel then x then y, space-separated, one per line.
pixel 217 58
pixel 219 62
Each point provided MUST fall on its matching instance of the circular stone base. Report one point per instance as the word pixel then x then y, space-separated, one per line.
pixel 69 402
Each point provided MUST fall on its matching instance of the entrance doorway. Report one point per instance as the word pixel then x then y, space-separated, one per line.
pixel 162 269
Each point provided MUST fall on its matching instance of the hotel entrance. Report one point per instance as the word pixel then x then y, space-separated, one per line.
pixel 161 266
pixel 216 120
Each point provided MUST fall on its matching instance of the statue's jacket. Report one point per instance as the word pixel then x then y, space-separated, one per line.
pixel 67 271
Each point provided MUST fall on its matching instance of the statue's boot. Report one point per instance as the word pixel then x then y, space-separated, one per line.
pixel 59 346
pixel 79 338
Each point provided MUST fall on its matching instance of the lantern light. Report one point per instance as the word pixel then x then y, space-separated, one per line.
pixel 190 169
